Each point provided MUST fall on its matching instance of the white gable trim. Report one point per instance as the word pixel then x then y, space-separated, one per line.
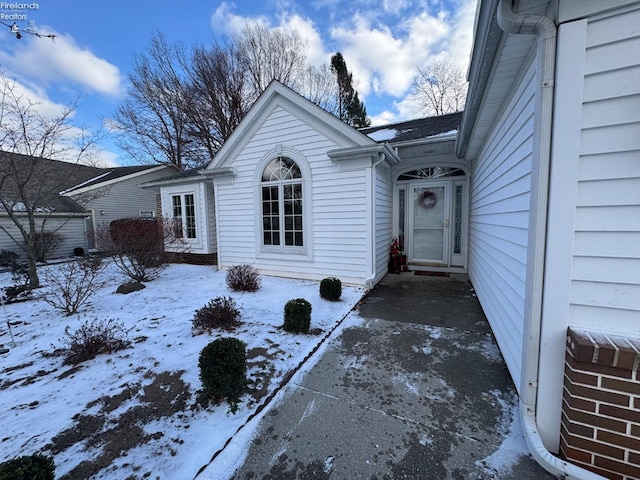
pixel 277 95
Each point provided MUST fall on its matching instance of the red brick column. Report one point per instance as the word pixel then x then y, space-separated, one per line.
pixel 601 404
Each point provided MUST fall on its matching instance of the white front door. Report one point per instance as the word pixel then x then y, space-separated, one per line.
pixel 428 232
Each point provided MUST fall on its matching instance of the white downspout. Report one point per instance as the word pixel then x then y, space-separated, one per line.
pixel 545 31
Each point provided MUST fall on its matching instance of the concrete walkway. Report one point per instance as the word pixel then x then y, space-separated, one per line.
pixel 416 389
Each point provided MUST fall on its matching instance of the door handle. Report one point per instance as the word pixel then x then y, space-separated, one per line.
pixel 446 223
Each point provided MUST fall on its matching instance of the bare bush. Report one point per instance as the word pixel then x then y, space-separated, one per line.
pixel 93 338
pixel 45 244
pixel 136 246
pixel 243 278
pixel 221 312
pixel 73 283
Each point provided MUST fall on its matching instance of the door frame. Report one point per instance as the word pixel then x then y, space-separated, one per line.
pixel 456 260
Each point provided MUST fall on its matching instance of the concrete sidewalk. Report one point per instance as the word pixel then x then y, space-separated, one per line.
pixel 415 390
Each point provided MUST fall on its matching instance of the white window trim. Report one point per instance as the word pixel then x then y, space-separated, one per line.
pixel 282 252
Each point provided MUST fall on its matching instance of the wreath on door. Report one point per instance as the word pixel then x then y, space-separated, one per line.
pixel 427 199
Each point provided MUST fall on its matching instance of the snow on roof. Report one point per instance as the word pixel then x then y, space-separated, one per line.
pixel 383 134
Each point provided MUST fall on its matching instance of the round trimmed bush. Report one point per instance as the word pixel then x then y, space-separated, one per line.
pixel 223 369
pixel 297 316
pixel 331 288
pixel 28 467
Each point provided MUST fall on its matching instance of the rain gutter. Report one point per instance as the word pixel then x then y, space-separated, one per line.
pixel 545 31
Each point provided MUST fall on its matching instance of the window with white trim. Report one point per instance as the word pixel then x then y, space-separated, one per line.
pixel 281 199
pixel 183 215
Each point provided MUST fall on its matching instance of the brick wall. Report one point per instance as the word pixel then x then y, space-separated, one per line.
pixel 601 404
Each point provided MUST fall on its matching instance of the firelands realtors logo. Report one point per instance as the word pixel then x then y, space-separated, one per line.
pixel 15 16
pixel 14 12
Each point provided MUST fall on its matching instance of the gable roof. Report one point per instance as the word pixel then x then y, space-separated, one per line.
pixel 277 95
pixel 112 175
pixel 417 129
pixel 44 183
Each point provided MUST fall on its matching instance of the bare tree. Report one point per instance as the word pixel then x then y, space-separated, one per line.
pixel 266 55
pixel 440 88
pixel 151 121
pixel 318 84
pixel 182 106
pixel 29 182
pixel 218 96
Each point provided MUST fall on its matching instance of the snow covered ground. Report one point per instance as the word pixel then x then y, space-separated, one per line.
pixel 133 413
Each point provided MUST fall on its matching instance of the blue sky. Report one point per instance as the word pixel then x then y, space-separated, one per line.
pixel 382 41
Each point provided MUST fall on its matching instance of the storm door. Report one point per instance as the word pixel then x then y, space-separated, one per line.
pixel 429 223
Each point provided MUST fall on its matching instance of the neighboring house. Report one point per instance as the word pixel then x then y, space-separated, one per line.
pixel 116 193
pixel 70 198
pixel 552 133
pixel 535 196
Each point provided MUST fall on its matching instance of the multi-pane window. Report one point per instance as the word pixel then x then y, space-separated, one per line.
pixel 183 212
pixel 281 198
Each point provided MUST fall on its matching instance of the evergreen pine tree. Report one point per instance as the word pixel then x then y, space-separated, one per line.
pixel 349 107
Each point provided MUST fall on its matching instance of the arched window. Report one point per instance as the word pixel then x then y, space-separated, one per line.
pixel 431 173
pixel 281 194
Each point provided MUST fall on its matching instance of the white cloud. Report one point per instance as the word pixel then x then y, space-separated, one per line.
pixel 61 61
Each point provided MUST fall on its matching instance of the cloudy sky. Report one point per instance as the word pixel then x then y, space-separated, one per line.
pixel 382 41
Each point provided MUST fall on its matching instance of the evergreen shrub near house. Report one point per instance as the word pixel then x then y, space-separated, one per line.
pixel 221 312
pixel 78 252
pixel 297 316
pixel 223 371
pixel 28 467
pixel 331 288
pixel 243 278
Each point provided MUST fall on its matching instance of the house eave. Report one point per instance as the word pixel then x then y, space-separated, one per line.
pixel 79 189
pixel 383 152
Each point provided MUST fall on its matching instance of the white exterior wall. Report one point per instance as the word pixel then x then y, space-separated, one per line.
pixel 499 218
pixel 337 210
pixel 593 245
pixel 605 283
pixel 383 219
pixel 204 243
pixel 72 228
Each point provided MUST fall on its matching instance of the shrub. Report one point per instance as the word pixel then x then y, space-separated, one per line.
pixel 223 370
pixel 297 316
pixel 28 467
pixel 8 258
pixel 137 246
pixel 73 283
pixel 221 312
pixel 331 288
pixel 93 338
pixel 78 252
pixel 45 244
pixel 21 283
pixel 243 278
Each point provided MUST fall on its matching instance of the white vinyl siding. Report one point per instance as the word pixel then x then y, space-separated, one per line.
pixel 383 219
pixel 499 218
pixel 336 215
pixel 605 283
pixel 201 243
